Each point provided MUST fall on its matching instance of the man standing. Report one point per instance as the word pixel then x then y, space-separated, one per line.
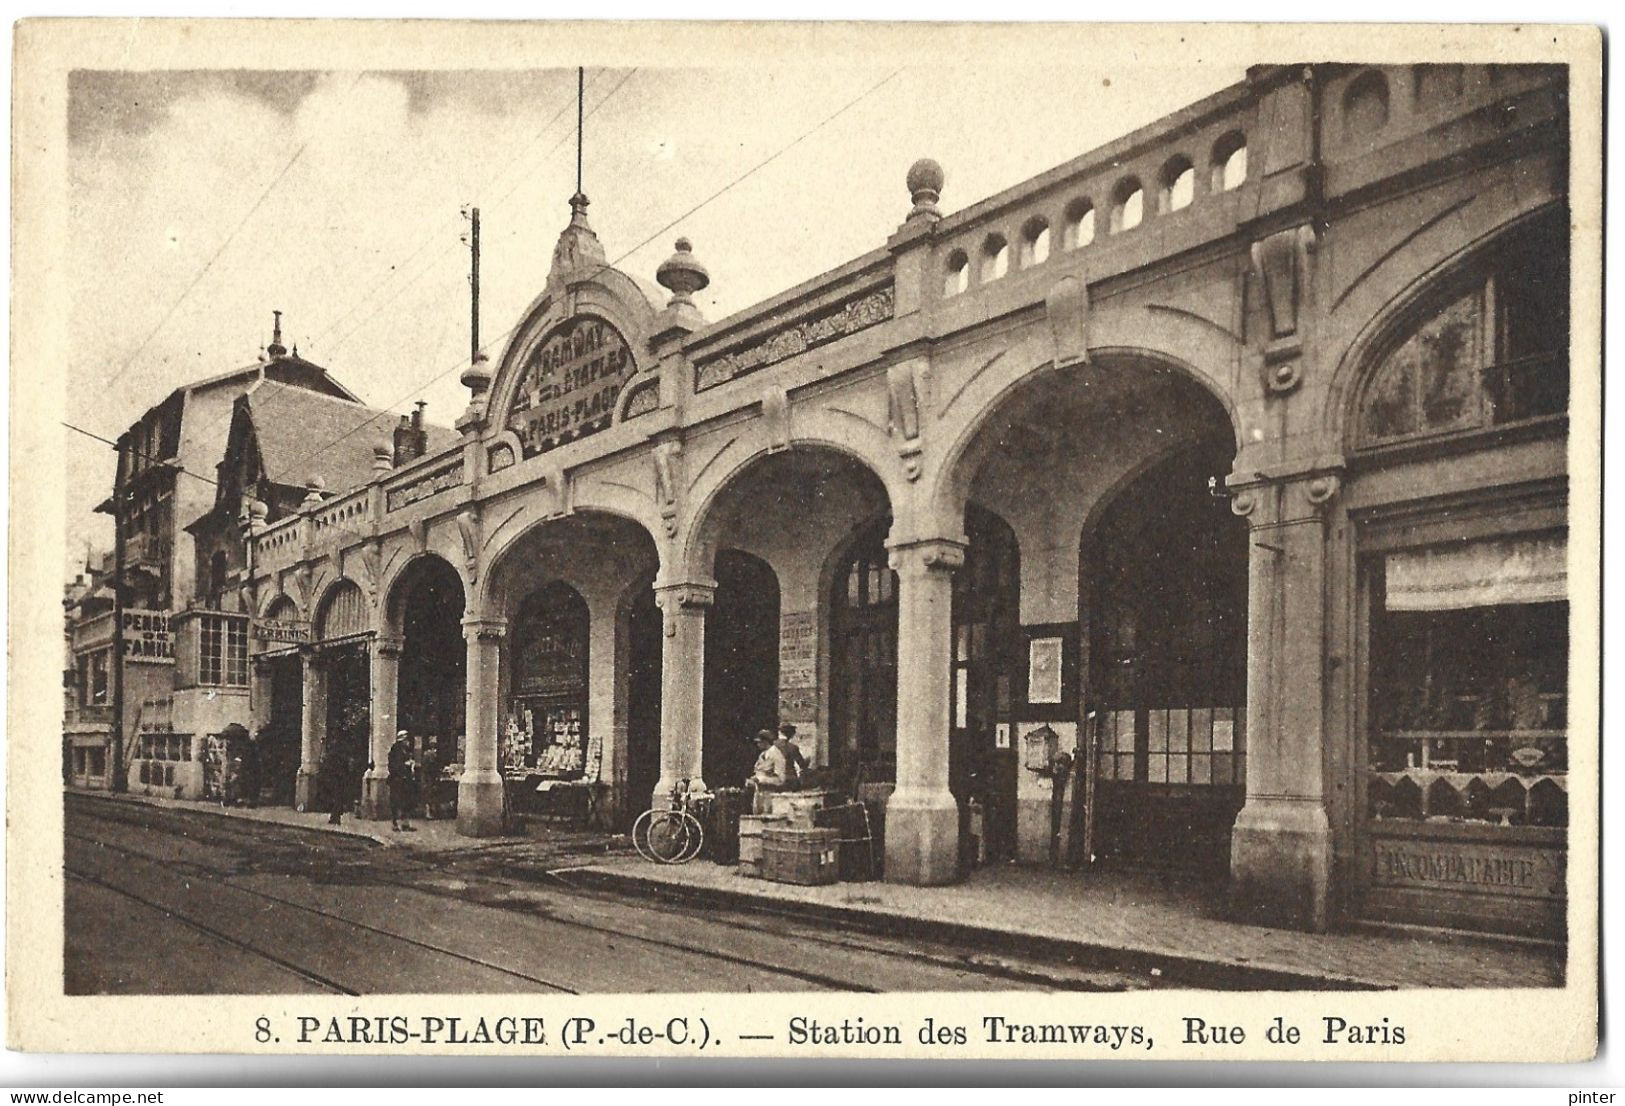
pixel 400 783
pixel 794 759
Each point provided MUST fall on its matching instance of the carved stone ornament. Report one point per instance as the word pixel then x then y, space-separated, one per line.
pixel 389 646
pixel 1067 309
pixel 664 460
pixel 1319 490
pixel 468 528
pixel 553 493
pixel 934 555
pixel 1281 262
pixel 776 415
pixel 905 412
pixel 418 528
pixel 1244 503
pixel 484 629
pixel 499 457
pixel 848 317
pixel 369 567
pixel 677 600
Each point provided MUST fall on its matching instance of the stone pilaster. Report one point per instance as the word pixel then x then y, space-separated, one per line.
pixel 1281 846
pixel 682 683
pixel 480 788
pixel 386 674
pixel 922 817
pixel 312 726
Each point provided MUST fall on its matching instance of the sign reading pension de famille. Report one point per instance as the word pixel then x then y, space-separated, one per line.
pixel 569 384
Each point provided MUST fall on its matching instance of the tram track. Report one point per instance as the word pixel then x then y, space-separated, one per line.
pixel 502 890
pixel 817 979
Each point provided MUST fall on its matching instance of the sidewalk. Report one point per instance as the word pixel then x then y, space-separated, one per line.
pixel 1130 918
pixel 437 836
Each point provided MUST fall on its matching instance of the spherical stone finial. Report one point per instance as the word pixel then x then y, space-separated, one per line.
pixel 383 455
pixel 682 273
pixel 477 377
pixel 925 180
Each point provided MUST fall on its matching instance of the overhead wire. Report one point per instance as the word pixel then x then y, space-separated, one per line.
pixel 221 249
pixel 437 377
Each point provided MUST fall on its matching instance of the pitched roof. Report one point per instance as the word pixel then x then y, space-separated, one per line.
pixel 302 433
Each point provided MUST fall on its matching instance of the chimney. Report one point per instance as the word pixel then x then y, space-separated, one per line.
pixel 420 436
pixel 403 441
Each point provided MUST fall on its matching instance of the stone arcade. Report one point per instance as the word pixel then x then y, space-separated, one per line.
pixel 1150 459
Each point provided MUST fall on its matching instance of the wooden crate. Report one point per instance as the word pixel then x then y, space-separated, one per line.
pixel 801 855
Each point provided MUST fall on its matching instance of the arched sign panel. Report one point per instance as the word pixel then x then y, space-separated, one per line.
pixel 568 385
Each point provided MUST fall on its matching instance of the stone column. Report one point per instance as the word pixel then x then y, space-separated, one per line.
pixel 480 789
pixel 312 727
pixel 386 678
pixel 1281 847
pixel 682 684
pixel 922 817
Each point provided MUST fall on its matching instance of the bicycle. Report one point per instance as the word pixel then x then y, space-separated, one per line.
pixel 672 834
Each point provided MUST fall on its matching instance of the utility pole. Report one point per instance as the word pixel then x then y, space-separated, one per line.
pixel 473 240
pixel 120 777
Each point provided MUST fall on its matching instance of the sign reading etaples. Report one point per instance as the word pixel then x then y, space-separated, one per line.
pixel 569 384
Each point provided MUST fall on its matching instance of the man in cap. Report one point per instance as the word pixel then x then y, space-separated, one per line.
pixel 400 783
pixel 795 761
pixel 771 771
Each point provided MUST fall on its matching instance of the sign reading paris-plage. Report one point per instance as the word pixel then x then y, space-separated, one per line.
pixel 569 384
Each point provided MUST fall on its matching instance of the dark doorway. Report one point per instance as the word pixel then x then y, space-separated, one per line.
pixel 349 714
pixel 643 624
pixel 279 741
pixel 863 659
pixel 741 666
pixel 1166 566
pixel 986 657
pixel 433 690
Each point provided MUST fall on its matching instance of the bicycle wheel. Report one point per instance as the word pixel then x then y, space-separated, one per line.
pixel 669 836
pixel 695 830
pixel 640 836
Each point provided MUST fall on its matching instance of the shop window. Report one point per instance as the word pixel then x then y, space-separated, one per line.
pixel 222 650
pixel 957 276
pixel 1178 185
pixel 1034 243
pixel 546 729
pixel 1495 353
pixel 995 258
pixel 1080 224
pixel 1229 162
pixel 1128 206
pixel 863 655
pixel 1469 693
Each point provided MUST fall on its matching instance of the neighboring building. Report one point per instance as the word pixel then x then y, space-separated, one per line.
pixel 184 664
pixel 1230 456
pixel 288 448
pixel 87 727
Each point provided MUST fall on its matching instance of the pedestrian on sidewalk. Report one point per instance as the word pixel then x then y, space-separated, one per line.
pixel 400 783
pixel 330 784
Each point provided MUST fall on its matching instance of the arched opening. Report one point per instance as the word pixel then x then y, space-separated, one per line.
pixel 427 608
pixel 1229 165
pixel 956 274
pixel 1080 224
pixel 863 658
pixel 342 633
pixel 741 666
pixel 1089 525
pixel 1178 185
pixel 1128 205
pixel 566 703
pixel 781 525
pixel 277 665
pixel 1365 105
pixel 986 662
pixel 1165 578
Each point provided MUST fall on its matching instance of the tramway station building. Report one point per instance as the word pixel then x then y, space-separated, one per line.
pixel 1215 479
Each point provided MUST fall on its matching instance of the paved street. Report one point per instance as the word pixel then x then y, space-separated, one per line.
pixel 162 901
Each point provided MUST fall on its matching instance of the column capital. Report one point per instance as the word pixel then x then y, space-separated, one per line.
pixel 389 645
pixel 691 596
pixel 1299 494
pixel 926 555
pixel 484 629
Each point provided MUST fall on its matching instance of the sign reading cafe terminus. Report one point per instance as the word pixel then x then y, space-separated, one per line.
pixel 569 384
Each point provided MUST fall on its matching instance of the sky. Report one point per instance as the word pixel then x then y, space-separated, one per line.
pixel 202 200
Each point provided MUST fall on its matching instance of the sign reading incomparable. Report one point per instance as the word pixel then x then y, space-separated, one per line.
pixel 568 385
